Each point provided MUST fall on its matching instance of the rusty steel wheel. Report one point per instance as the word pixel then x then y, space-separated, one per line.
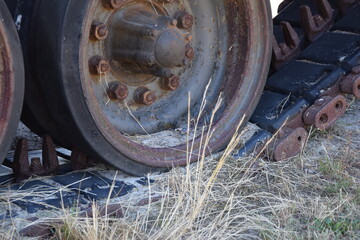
pixel 11 80
pixel 116 71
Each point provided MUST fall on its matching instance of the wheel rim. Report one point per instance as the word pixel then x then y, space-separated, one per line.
pixel 11 80
pixel 89 107
pixel 216 56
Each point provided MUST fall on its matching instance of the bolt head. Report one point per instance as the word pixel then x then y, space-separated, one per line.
pixel 99 31
pixel 117 91
pixel 98 65
pixel 171 83
pixel 190 53
pixel 185 20
pixel 144 96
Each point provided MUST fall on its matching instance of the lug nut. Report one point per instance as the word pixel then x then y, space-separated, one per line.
pixel 189 53
pixel 112 4
pixel 98 65
pixel 144 96
pixel 171 83
pixel 117 91
pixel 185 20
pixel 99 31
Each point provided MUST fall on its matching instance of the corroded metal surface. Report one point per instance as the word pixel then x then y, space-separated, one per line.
pixel 11 80
pixel 315 25
pixel 24 169
pixel 138 61
pixel 289 143
pixel 317 99
pixel 139 67
pixel 287 50
pixel 325 111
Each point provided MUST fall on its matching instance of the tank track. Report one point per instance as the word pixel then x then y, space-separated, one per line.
pixel 316 62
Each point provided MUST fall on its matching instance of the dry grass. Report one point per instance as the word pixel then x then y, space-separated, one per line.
pixel 312 196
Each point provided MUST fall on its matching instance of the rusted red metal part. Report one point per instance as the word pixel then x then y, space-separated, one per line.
pixel 98 65
pixel 330 106
pixel 289 49
pixel 144 96
pixel 117 91
pixel 79 160
pixel 351 83
pixel 290 139
pixel 40 230
pixel 185 20
pixel 346 84
pixel 314 26
pixel 11 80
pixel 99 31
pixel 111 210
pixel 21 167
pixel 325 111
pixel 289 143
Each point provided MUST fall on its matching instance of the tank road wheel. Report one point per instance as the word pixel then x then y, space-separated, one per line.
pixel 11 80
pixel 118 69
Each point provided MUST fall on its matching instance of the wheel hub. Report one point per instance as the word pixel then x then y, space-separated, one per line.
pixel 144 40
pixel 145 56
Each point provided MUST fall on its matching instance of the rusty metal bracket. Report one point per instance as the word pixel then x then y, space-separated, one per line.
pixel 351 83
pixel 289 143
pixel 289 49
pixel 314 26
pixel 21 167
pixel 325 111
